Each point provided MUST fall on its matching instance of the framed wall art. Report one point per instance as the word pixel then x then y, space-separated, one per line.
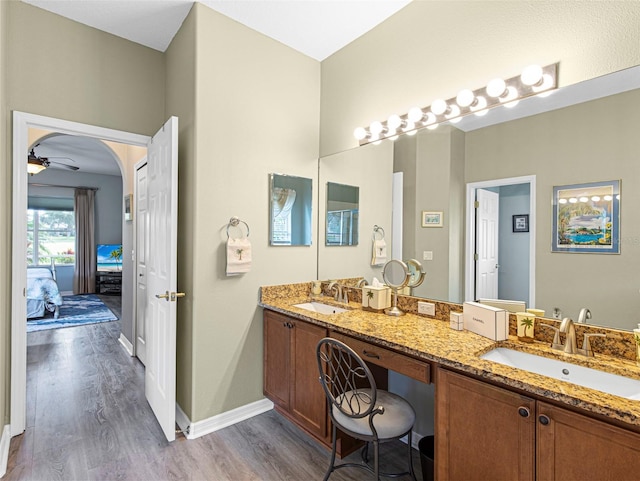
pixel 432 219
pixel 521 223
pixel 586 218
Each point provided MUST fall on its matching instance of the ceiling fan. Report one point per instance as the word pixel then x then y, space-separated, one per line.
pixel 36 164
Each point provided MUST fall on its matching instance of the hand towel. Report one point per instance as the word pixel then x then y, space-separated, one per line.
pixel 379 252
pixel 238 256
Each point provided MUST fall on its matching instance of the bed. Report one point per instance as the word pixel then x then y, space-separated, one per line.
pixel 42 292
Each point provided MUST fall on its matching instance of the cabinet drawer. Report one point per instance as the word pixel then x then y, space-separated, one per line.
pixel 413 368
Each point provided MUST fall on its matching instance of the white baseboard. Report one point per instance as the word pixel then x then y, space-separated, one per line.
pixel 4 449
pixel 126 344
pixel 415 439
pixel 220 421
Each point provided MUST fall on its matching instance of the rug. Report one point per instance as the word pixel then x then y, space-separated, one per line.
pixel 75 311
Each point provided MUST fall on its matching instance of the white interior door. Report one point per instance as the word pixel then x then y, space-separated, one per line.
pixel 487 223
pixel 142 254
pixel 161 267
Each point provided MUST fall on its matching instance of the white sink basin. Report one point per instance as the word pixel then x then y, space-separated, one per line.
pixel 580 375
pixel 320 308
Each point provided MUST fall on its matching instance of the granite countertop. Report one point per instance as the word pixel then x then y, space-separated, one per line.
pixel 433 340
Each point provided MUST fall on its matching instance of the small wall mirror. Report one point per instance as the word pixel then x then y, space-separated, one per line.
pixel 342 214
pixel 289 210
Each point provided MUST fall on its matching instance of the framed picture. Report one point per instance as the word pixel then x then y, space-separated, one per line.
pixel 432 219
pixel 521 223
pixel 128 207
pixel 586 218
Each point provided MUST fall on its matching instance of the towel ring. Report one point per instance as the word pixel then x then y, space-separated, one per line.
pixel 235 222
pixel 376 230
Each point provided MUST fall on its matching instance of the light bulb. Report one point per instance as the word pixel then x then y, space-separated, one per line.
pixel 454 114
pixel 608 198
pixel 393 122
pixel 394 138
pixel 439 107
pixel 433 126
pixel 544 84
pixel 360 133
pixel 409 128
pixel 562 201
pixel 573 200
pixel 479 106
pixel 429 119
pixel 584 199
pixel 532 75
pixel 595 198
pixel 415 114
pixel 376 128
pixel 465 98
pixel 509 95
pixel 496 88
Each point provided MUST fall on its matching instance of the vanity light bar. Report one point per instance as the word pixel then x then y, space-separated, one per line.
pixel 534 80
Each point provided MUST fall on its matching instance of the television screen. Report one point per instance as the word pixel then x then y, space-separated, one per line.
pixel 109 257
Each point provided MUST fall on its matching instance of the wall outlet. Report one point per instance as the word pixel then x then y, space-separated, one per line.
pixel 427 308
pixel 427 255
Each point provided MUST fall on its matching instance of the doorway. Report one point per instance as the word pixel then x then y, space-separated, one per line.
pixel 22 123
pixel 507 186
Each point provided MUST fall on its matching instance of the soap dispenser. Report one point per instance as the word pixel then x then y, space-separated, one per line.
pixel 636 337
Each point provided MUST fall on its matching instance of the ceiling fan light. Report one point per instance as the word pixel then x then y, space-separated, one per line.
pixel 36 166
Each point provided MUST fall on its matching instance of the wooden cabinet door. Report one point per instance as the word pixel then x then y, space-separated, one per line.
pixel 308 401
pixel 573 446
pixel 277 347
pixel 482 432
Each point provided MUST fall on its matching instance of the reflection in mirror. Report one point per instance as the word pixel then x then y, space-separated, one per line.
pixel 342 214
pixel 290 210
pixel 558 143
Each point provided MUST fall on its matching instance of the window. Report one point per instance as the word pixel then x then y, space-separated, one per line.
pixel 51 235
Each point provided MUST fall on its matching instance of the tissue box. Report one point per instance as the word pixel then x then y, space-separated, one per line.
pixel 486 320
pixel 376 298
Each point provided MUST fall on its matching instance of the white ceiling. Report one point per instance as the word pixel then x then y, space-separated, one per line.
pixel 316 28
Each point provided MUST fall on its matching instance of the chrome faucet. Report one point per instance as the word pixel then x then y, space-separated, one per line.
pixel 584 315
pixel 567 327
pixel 362 282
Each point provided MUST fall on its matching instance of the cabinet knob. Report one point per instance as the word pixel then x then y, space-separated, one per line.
pixel 544 420
pixel 524 411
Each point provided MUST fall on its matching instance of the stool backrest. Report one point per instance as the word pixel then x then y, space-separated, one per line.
pixel 345 378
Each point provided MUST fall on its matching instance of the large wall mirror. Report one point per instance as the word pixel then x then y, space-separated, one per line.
pixel 290 200
pixel 580 134
pixel 342 215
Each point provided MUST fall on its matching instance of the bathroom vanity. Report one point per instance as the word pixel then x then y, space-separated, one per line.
pixel 491 421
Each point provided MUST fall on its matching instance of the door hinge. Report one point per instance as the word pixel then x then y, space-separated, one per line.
pixel 476 204
pixel 475 256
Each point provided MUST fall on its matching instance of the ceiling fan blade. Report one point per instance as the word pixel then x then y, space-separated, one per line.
pixel 58 157
pixel 60 165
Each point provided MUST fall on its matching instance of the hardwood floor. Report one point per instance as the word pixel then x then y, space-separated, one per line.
pixel 88 419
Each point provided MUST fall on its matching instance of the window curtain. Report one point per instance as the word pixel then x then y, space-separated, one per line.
pixel 283 200
pixel 84 276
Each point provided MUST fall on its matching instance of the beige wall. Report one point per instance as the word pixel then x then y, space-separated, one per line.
pixel 257 111
pixel 181 102
pixel 70 71
pixel 589 142
pixel 5 220
pixel 433 49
